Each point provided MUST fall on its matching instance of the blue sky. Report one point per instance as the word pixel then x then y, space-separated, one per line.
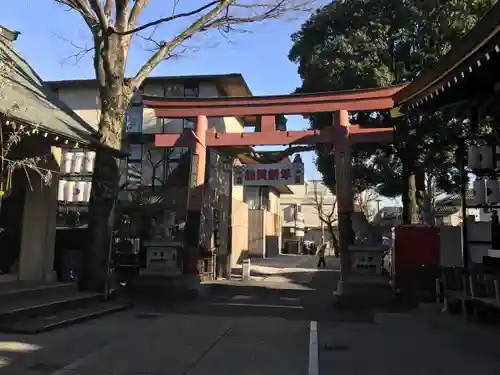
pixel 50 35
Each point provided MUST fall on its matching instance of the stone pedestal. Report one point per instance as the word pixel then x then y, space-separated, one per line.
pixel 363 291
pixel 365 286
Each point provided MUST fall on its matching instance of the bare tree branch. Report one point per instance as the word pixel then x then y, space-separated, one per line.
pixel 168 47
pixel 122 15
pixel 326 212
pixel 162 20
pixel 108 9
pixel 277 156
pixel 137 9
pixel 83 7
pixel 82 51
pixel 99 12
pixel 364 202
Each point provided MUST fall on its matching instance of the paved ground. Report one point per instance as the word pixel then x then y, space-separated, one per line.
pixel 262 326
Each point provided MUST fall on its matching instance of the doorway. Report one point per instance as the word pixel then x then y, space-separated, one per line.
pixel 11 223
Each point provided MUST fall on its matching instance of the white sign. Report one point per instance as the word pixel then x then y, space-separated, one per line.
pixel 161 261
pixel 299 233
pixel 269 174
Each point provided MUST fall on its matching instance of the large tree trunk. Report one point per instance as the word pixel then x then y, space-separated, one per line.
pixel 407 152
pixel 424 197
pixel 410 206
pixel 420 193
pixel 114 101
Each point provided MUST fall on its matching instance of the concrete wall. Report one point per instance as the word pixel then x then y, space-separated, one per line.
pixel 451 242
pixel 240 237
pixel 455 219
pixel 85 102
pixel 256 236
pixel 264 233
pixel 304 195
pixel 274 201
pixel 272 231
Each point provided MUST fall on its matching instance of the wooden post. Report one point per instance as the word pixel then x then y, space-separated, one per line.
pixel 343 177
pixel 195 197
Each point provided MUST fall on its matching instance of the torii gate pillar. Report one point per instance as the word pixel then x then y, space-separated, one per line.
pixel 195 197
pixel 343 178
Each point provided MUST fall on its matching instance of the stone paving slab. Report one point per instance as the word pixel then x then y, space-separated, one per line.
pixel 172 346
pixel 180 344
pixel 263 346
pixel 417 343
pixel 45 353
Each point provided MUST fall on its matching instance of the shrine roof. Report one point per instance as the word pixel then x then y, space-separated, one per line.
pixel 26 98
pixel 476 49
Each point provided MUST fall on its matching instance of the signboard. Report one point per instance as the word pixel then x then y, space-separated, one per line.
pixel 269 174
pixel 161 261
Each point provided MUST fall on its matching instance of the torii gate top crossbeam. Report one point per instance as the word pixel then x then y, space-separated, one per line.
pixel 352 100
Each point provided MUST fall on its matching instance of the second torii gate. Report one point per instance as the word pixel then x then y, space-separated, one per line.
pixel 342 134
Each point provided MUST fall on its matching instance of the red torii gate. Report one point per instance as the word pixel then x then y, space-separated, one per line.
pixel 265 108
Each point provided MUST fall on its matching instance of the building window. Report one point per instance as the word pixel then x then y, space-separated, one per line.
pixel 173 157
pixel 135 152
pixel 133 119
pixel 173 90
pixel 176 153
pixel 188 123
pixel 191 89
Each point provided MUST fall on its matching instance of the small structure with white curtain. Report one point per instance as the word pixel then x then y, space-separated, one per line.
pixel 75 182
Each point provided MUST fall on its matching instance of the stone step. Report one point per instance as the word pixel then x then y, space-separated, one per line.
pixel 364 292
pixel 63 318
pixel 23 290
pixel 44 305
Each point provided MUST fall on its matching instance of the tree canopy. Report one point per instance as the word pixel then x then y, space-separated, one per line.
pixel 351 44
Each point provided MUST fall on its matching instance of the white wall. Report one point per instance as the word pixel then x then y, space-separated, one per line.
pixel 304 195
pixel 455 219
pixel 84 101
pixel 451 243
pixel 274 201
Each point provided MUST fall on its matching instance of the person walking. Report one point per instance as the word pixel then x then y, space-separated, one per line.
pixel 321 256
